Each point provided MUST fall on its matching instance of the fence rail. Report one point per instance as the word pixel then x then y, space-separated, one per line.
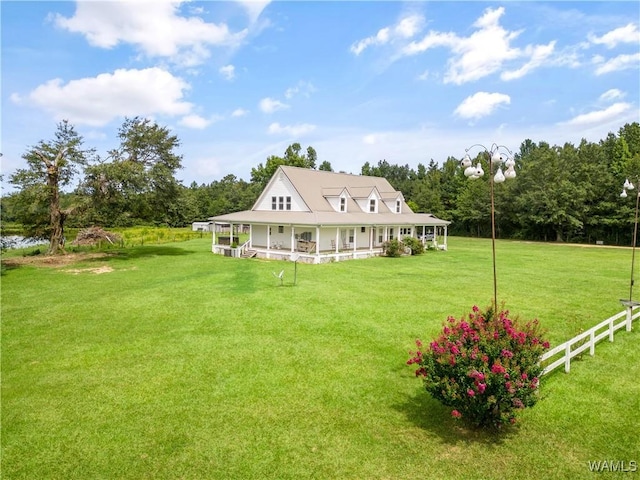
pixel 587 340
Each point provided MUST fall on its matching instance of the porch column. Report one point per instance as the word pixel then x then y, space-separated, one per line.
pixel 251 235
pixel 268 237
pixel 371 234
pixel 213 240
pixel 337 239
pixel 293 238
pixel 230 234
pixel 355 239
pixel 317 244
pixel 445 237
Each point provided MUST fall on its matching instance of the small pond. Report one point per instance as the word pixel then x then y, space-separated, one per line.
pixel 18 241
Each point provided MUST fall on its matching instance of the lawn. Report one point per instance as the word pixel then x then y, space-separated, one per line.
pixel 177 363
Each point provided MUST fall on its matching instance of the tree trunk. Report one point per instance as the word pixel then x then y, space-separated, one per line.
pixel 56 241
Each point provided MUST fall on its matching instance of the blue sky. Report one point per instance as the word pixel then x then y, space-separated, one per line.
pixel 359 81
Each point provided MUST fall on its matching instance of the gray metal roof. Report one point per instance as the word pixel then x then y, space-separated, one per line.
pixel 314 186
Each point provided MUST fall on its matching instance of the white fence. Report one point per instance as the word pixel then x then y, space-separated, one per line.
pixel 587 340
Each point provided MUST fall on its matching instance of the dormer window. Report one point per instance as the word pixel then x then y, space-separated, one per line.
pixel 372 205
pixel 397 206
pixel 343 204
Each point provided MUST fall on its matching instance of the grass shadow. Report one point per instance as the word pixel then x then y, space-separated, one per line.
pixel 428 414
pixel 133 253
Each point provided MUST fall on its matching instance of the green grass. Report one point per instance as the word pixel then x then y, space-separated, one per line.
pixel 183 364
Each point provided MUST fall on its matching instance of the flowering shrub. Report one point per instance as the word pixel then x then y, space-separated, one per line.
pixel 484 366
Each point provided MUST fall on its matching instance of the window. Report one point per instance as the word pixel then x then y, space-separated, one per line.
pixel 343 204
pixel 273 203
pixel 391 234
pixel 363 229
pixel 397 206
pixel 351 235
pixel 372 205
pixel 405 231
pixel 280 229
pixel 288 203
pixel 280 203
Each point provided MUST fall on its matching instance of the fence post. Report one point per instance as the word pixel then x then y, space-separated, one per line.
pixel 592 343
pixel 629 304
pixel 567 357
pixel 611 332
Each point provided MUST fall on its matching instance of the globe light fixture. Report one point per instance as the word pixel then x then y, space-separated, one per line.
pixel 628 186
pixel 497 156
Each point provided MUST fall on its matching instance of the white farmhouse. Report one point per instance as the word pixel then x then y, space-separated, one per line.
pixel 324 216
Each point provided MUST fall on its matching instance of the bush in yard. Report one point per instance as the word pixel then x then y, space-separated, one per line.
pixel 414 245
pixel 484 366
pixel 393 248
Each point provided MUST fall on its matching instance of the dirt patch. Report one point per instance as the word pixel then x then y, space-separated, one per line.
pixel 97 270
pixel 52 260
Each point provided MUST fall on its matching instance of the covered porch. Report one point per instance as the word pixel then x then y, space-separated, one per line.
pixel 320 244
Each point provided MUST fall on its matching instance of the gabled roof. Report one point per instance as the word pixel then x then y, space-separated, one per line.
pixel 333 192
pixel 310 185
pixel 315 187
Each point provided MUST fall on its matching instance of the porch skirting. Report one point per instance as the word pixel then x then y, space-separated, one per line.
pixel 305 257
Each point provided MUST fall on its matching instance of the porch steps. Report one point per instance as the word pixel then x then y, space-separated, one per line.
pixel 249 254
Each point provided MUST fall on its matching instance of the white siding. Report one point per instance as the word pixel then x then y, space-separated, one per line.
pixel 335 203
pixel 391 205
pixel 281 187
pixel 259 235
pixel 364 203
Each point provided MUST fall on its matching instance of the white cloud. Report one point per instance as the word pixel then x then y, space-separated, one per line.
pixel 98 100
pixel 196 121
pixel 270 105
pixel 303 88
pixel 156 29
pixel 292 130
pixel 228 72
pixel 599 116
pixel 612 94
pixel 424 75
pixel 616 64
pixel 627 34
pixel 407 27
pixel 431 40
pixel 481 104
pixel 538 56
pixel 484 52
pixel 239 112
pixel 254 8
pixel 376 138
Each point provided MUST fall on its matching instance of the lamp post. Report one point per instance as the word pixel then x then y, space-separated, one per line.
pixel 631 303
pixel 496 155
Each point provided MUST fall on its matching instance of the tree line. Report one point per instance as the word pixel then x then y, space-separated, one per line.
pixel 561 193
